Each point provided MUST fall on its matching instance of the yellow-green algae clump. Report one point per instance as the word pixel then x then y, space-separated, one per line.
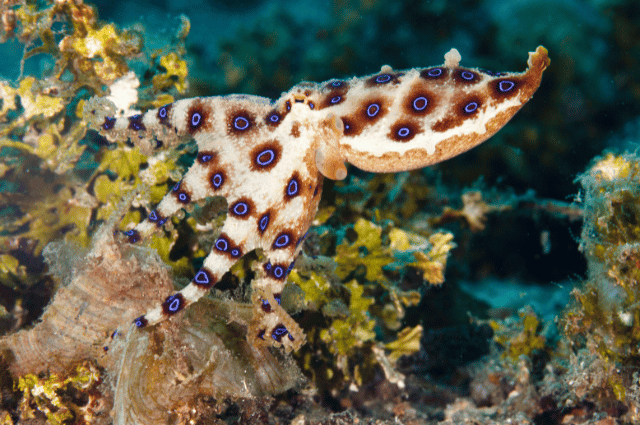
pixel 606 318
pixel 55 182
pixel 354 309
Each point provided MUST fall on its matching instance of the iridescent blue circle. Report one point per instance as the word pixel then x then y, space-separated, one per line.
pixel 217 180
pixel 420 103
pixel 196 119
pixel 467 75
pixel 404 132
pixel 241 123
pixel 269 154
pixel 282 241
pixel 471 107
pixel 506 86
pixel 292 187
pixel 241 208
pixel 222 245
pixel 264 222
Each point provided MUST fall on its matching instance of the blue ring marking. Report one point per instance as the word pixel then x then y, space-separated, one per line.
pixel 278 298
pixel 183 197
pixel 273 117
pixel 153 216
pixel 264 222
pixel 235 252
pixel 337 83
pixel 135 123
pixel 202 278
pixel 262 162
pixel 509 86
pixel 383 79
pixel 376 109
pixel 141 322
pixel 311 105
pixel 282 241
pixel 196 119
pixel 336 99
pixel 109 122
pixel 278 332
pixel 240 123
pixel 162 112
pixel 217 180
pixel 292 187
pixel 164 220
pixel 266 307
pixel 222 244
pixel 435 72
pixel 175 305
pixel 241 208
pixel 404 132
pixel 467 75
pixel 421 99
pixel 206 158
pixel 176 186
pixel 268 265
pixel 278 272
pixel 288 104
pixel 471 107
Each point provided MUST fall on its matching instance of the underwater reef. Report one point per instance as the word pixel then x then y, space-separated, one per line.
pixel 497 287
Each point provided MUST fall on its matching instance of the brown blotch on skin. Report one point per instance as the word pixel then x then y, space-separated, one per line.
pixel 380 79
pixel 165 120
pixel 413 102
pixel 240 115
pixel 266 217
pixel 274 118
pixel 443 75
pixel 334 97
pixel 403 131
pixel 368 105
pixel 467 101
pixel 260 155
pixel 173 304
pixel 294 187
pixel 198 107
pixel 182 196
pixel 295 129
pixel 458 76
pixel 238 206
pixel 135 123
pixel 458 115
pixel 352 126
pixel 215 176
pixel 207 157
pixel 448 122
pixel 336 85
pixel 202 283
pixel 227 248
pixel 494 88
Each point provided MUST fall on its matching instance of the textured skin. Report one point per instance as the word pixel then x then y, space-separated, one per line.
pixel 268 159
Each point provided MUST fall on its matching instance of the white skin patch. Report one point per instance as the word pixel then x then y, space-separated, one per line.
pixel 421 116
